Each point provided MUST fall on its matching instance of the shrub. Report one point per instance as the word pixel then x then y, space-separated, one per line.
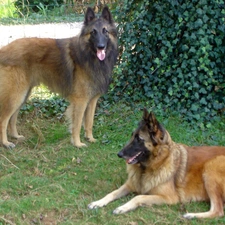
pixel 173 56
pixel 25 6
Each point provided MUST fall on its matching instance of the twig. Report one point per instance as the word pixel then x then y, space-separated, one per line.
pixel 10 162
pixel 7 221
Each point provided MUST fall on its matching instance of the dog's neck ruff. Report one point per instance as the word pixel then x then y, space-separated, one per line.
pixel 182 164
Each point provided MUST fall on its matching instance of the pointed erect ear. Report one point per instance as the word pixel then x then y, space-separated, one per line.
pixel 106 14
pixel 145 114
pixel 153 123
pixel 89 15
pixel 157 131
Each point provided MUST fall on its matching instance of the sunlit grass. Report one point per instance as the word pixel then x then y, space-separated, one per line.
pixel 9 14
pixel 7 9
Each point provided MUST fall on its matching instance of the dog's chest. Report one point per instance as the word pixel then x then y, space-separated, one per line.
pixel 141 182
pixel 144 181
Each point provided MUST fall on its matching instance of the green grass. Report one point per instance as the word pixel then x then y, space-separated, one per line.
pixel 45 180
pixel 7 9
pixel 11 15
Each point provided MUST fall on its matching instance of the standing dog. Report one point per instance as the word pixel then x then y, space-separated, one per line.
pixel 164 172
pixel 78 68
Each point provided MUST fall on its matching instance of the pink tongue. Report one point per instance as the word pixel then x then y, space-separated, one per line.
pixel 130 160
pixel 101 54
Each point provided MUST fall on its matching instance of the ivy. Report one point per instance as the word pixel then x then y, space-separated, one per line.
pixel 172 56
pixel 48 108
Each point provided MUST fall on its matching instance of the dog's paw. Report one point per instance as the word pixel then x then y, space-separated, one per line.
pixel 189 216
pixel 78 144
pixel 17 136
pixel 9 145
pixel 95 205
pixel 20 138
pixel 122 209
pixel 92 140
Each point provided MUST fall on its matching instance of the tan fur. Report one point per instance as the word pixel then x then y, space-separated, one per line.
pixel 70 67
pixel 174 173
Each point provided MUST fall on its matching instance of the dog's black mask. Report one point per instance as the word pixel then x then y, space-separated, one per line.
pixel 135 152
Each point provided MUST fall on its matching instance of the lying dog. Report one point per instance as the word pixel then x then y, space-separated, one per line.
pixel 161 171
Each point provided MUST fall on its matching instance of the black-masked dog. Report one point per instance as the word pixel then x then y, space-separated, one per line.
pixel 78 68
pixel 161 171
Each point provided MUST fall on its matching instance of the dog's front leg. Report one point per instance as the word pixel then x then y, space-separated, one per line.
pixel 122 191
pixel 89 118
pixel 75 113
pixel 142 200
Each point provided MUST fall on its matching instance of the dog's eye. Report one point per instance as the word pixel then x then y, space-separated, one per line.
pixel 93 32
pixel 104 31
pixel 141 138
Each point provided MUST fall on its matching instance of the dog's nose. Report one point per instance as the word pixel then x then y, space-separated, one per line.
pixel 120 154
pixel 101 46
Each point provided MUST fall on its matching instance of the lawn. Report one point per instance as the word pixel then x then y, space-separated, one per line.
pixel 45 180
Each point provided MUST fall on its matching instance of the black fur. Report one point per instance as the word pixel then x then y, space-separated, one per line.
pixel 82 51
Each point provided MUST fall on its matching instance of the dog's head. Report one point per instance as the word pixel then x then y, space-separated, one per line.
pixel 148 136
pixel 100 32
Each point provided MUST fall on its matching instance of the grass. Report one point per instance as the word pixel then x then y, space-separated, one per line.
pixel 45 180
pixel 12 15
pixel 7 9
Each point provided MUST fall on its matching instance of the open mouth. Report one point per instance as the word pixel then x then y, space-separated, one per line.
pixel 101 54
pixel 134 159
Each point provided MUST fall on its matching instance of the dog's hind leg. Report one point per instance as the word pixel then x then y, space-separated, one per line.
pixel 13 92
pixel 8 116
pixel 89 118
pixel 12 127
pixel 3 133
pixel 12 122
pixel 214 181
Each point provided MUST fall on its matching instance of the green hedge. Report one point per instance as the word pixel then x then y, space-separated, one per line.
pixel 173 56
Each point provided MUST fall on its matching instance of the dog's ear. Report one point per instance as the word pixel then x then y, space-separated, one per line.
pixel 107 15
pixel 150 120
pixel 153 122
pixel 145 115
pixel 89 15
pixel 156 130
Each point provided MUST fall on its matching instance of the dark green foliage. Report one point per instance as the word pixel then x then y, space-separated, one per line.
pixel 26 7
pixel 173 56
pixel 50 107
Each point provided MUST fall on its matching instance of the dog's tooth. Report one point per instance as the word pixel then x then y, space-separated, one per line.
pixel 133 158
